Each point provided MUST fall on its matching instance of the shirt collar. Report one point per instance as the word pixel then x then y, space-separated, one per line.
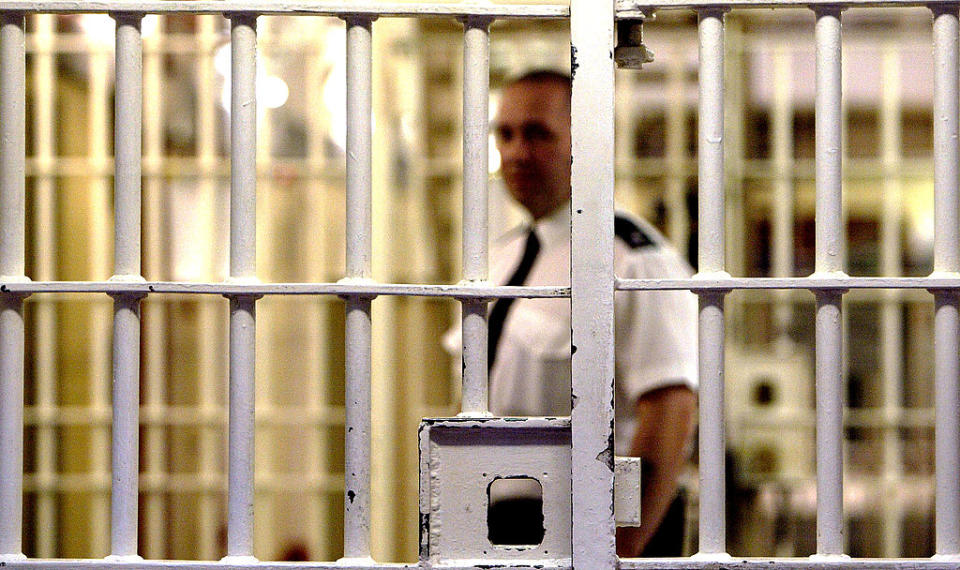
pixel 554 227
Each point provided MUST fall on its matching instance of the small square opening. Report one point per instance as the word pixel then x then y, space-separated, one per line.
pixel 515 512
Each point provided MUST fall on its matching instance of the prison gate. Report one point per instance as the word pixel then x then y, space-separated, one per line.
pixel 577 443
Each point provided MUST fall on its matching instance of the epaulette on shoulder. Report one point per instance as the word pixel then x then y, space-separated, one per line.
pixel 631 234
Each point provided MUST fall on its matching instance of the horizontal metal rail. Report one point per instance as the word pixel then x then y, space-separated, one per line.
pixel 341 289
pixel 817 563
pixel 300 7
pixel 625 9
pixel 461 291
pixel 630 9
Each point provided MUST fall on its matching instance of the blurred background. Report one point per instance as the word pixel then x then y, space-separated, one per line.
pixel 417 189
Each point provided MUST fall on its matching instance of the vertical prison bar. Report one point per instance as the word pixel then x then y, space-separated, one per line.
pixel 946 262
pixel 476 73
pixel 243 216
pixel 711 247
pixel 12 263
pixel 356 523
pixel 829 260
pixel 592 282
pixel 126 319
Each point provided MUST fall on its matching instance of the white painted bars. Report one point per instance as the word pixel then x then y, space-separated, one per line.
pixel 356 515
pixel 829 261
pixel 592 282
pixel 12 262
pixel 946 262
pixel 711 248
pixel 476 82
pixel 243 214
pixel 126 319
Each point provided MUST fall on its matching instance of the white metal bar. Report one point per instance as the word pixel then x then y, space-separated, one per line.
pixel 635 563
pixel 711 249
pixel 341 288
pixel 632 8
pixel 365 8
pixel 356 533
pixel 947 261
pixel 243 217
pixel 703 283
pixel 12 207
pixel 476 84
pixel 45 238
pixel 126 337
pixel 829 261
pixel 711 246
pixel 126 402
pixel 12 263
pixel 592 278
pixel 128 144
pixel 624 8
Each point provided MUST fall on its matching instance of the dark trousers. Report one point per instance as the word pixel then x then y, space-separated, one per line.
pixel 520 521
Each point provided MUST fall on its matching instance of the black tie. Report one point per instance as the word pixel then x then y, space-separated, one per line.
pixel 499 312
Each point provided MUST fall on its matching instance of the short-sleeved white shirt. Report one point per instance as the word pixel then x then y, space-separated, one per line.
pixel 655 331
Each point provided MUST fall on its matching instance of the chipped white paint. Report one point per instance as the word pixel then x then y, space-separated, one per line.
pixel 626 491
pixel 476 88
pixel 359 253
pixel 592 282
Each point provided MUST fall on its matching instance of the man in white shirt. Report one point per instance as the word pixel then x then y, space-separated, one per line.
pixel 656 360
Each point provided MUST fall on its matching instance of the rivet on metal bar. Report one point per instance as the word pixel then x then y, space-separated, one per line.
pixel 630 52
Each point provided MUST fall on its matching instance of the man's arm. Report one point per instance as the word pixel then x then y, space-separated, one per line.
pixel 664 427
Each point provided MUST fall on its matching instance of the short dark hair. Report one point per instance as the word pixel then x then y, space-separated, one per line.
pixel 545 76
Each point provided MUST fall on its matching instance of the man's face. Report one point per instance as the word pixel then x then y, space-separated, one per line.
pixel 532 129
